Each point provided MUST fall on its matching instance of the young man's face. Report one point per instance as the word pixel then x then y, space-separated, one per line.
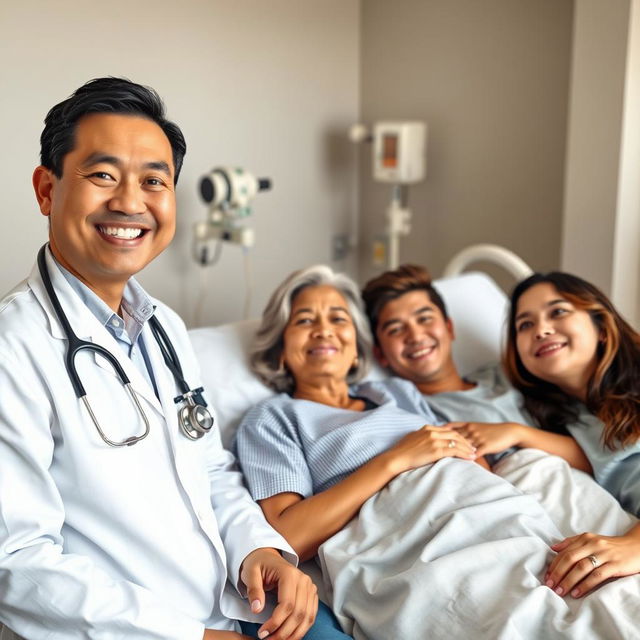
pixel 113 210
pixel 415 339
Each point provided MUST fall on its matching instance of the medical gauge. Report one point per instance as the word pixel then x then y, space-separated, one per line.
pixel 228 192
pixel 194 418
pixel 399 158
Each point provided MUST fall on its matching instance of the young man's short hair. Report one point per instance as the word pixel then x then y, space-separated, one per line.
pixel 393 284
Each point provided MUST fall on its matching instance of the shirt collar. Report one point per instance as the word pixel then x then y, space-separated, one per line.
pixel 137 307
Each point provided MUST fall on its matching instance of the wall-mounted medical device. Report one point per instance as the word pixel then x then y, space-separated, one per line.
pixel 399 157
pixel 228 192
pixel 399 152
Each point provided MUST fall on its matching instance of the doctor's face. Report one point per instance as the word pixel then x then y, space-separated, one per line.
pixel 113 210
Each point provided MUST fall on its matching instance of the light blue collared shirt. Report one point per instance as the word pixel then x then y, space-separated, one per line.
pixel 137 308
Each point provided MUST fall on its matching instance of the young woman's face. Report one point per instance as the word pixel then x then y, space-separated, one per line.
pixel 556 341
pixel 320 337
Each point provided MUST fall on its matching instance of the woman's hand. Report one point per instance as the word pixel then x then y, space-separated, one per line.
pixel 490 437
pixel 587 560
pixel 212 634
pixel 265 569
pixel 496 437
pixel 427 445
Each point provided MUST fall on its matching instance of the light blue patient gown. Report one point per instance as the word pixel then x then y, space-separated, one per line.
pixel 618 471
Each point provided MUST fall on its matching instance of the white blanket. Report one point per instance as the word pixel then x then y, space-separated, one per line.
pixel 453 551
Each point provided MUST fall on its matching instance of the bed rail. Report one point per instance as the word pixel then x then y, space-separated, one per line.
pixel 493 253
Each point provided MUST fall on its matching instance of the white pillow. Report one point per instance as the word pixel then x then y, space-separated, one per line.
pixel 475 303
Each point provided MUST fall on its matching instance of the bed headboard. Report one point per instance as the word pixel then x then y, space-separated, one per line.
pixel 475 303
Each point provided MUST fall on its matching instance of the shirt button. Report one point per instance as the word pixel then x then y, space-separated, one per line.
pixel 115 322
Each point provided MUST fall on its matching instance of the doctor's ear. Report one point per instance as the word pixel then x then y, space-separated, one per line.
pixel 43 183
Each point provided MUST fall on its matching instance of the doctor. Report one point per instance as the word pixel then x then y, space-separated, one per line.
pixel 158 539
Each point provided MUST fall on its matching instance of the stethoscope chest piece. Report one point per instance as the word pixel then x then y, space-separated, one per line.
pixel 195 420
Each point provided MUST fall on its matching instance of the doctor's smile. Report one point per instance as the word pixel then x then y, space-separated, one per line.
pixel 115 232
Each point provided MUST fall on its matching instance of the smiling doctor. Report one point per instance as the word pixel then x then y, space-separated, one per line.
pixel 120 518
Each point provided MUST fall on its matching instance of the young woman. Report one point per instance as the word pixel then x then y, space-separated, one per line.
pixel 577 363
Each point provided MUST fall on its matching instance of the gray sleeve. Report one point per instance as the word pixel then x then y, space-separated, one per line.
pixel 410 399
pixel 271 454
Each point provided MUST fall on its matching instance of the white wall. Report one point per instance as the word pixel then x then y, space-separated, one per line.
pixel 270 86
pixel 625 288
pixel 601 239
pixel 593 147
pixel 491 80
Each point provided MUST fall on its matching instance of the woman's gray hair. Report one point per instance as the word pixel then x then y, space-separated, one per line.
pixel 266 353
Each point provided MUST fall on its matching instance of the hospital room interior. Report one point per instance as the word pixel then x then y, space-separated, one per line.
pixel 302 120
pixel 531 109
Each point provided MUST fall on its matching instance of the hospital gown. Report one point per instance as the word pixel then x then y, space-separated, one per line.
pixel 618 471
pixel 290 445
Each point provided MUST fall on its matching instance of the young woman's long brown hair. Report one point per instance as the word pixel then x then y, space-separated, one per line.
pixel 613 391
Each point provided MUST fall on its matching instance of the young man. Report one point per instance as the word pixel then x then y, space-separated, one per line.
pixel 413 336
pixel 119 518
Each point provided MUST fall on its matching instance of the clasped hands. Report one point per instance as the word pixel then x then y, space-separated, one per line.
pixel 265 570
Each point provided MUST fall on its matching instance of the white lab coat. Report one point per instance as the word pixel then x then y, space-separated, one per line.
pixel 142 542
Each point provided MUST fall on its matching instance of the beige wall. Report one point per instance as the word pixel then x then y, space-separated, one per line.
pixel 491 80
pixel 270 86
pixel 274 85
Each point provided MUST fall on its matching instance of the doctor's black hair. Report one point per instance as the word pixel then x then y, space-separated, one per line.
pixel 104 95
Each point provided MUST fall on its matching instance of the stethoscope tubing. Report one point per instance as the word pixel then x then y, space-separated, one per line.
pixel 75 344
pixel 194 418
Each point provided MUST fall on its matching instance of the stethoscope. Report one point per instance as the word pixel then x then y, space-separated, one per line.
pixel 194 418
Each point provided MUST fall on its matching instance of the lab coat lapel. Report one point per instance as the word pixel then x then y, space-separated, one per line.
pixel 86 326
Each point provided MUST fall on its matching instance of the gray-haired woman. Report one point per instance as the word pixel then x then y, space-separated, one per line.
pixel 316 452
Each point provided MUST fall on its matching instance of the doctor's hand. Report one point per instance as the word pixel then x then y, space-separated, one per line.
pixel 264 570
pixel 585 561
pixel 211 634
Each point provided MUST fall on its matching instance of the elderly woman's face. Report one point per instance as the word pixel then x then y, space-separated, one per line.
pixel 320 337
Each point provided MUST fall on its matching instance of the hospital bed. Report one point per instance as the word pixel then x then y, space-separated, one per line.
pixel 478 309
